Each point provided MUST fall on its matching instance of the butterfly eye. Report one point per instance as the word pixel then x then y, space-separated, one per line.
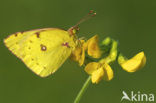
pixel 43 47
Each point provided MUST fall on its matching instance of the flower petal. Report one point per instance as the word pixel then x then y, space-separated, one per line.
pixel 91 67
pixel 93 48
pixel 82 57
pixel 76 54
pixel 97 75
pixel 135 63
pixel 108 72
pixel 143 61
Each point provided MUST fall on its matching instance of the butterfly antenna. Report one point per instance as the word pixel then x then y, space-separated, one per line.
pixel 86 17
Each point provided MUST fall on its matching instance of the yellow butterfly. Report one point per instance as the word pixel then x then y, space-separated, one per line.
pixel 43 50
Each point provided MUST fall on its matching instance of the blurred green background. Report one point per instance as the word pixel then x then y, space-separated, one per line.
pixel 131 22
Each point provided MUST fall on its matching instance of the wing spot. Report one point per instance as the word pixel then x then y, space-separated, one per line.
pixel 32 59
pixel 44 67
pixel 16 34
pixel 66 44
pixel 38 34
pixel 43 47
pixel 30 41
pixel 22 32
pixel 29 48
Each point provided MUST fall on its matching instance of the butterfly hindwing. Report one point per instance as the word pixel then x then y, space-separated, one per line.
pixel 41 50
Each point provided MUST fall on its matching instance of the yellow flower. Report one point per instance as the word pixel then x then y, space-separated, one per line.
pixel 92 49
pixel 79 53
pixel 133 64
pixel 99 71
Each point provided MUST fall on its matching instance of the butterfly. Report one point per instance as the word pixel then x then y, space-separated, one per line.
pixel 44 50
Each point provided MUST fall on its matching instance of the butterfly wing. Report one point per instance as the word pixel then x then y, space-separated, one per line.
pixel 43 50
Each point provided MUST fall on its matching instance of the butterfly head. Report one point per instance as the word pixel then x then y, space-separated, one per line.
pixel 73 30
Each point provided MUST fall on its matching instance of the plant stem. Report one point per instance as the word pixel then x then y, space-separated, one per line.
pixel 83 89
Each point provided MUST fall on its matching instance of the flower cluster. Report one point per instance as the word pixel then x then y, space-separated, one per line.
pixel 98 58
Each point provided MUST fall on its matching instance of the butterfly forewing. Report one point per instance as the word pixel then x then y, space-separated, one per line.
pixel 43 50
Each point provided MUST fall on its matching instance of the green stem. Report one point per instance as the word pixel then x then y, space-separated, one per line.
pixel 83 89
